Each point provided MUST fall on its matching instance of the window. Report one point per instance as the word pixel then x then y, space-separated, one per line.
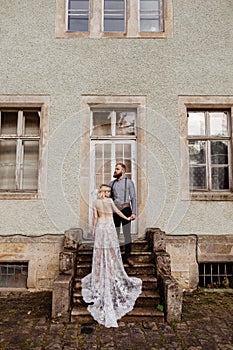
pixel 13 275
pixel 209 141
pixel 22 148
pixel 78 16
pixel 113 139
pixel 113 135
pixel 216 275
pixel 151 16
pixel 206 134
pixel 114 18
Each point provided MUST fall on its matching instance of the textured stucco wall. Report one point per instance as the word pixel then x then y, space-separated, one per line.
pixel 198 60
pixel 41 253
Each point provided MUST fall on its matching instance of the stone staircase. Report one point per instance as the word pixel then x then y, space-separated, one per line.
pixel 144 268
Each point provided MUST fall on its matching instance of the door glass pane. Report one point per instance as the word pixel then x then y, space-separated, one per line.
pixel 114 16
pixel 102 164
pixel 98 180
pixel 196 123
pixel 197 152
pixel 99 166
pixel 98 151
pixel 150 16
pixel 78 15
pixel 218 124
pixel 219 152
pixel 30 165
pixel 101 123
pixel 127 151
pixel 107 151
pixel 125 122
pixel 119 153
pixel 197 178
pixel 7 164
pixel 32 123
pixel 220 178
pixel 9 123
pixel 107 172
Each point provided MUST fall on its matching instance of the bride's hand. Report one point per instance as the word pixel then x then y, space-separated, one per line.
pixel 129 218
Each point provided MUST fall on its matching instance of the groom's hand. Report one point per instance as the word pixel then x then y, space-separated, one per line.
pixel 133 217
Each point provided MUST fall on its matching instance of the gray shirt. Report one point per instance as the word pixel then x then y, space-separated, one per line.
pixel 121 196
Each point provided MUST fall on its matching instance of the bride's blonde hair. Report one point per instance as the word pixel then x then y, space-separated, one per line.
pixel 102 189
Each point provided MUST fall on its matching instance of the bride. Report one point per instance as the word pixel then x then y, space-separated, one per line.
pixel 108 288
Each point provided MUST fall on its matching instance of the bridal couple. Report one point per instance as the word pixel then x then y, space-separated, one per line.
pixel 108 289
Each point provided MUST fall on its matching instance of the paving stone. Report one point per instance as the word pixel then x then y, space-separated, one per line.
pixel 207 324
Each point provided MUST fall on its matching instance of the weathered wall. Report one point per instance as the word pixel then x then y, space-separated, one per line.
pixel 41 253
pixel 183 260
pixel 196 61
pixel 187 251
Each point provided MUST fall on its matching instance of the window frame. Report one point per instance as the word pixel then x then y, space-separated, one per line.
pixel 186 103
pixel 20 103
pixel 96 19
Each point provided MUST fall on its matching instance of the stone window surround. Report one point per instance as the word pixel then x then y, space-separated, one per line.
pixel 24 101
pixel 185 102
pixel 89 101
pixel 96 18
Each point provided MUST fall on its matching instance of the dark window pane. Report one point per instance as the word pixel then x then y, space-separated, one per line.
pixel 114 16
pixel 220 178
pixel 219 152
pixel 32 123
pixel 125 122
pixel 150 16
pixel 149 5
pixel 78 4
pixel 78 16
pixel 197 178
pixel 197 152
pixel 76 24
pixel 114 5
pixel 7 164
pixel 114 24
pixel 149 25
pixel 9 123
pixel 30 165
pixel 101 123
pixel 15 275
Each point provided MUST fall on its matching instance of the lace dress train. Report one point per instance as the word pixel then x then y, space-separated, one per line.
pixel 111 292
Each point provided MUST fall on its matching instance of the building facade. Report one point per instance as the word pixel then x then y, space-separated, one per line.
pixel 87 83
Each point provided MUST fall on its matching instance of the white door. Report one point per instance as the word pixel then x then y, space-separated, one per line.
pixel 112 142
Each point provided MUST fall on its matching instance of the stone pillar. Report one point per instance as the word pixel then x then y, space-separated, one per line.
pixel 173 297
pixel 62 292
pixel 157 238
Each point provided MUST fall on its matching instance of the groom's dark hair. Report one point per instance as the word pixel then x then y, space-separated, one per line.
pixel 122 165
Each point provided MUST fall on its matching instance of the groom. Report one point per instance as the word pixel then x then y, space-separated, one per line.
pixel 124 196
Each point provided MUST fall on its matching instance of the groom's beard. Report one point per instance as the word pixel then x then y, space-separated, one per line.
pixel 117 176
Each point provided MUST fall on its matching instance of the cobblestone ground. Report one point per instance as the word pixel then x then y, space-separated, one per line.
pixel 207 324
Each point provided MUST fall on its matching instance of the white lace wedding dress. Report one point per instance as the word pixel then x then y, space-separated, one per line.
pixel 110 290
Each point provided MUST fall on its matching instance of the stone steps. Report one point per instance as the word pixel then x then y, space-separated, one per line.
pixel 144 268
pixel 146 298
pixel 148 282
pixel 86 256
pixel 81 314
pixel 141 268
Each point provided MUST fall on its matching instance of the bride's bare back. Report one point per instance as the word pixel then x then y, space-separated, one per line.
pixel 103 210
